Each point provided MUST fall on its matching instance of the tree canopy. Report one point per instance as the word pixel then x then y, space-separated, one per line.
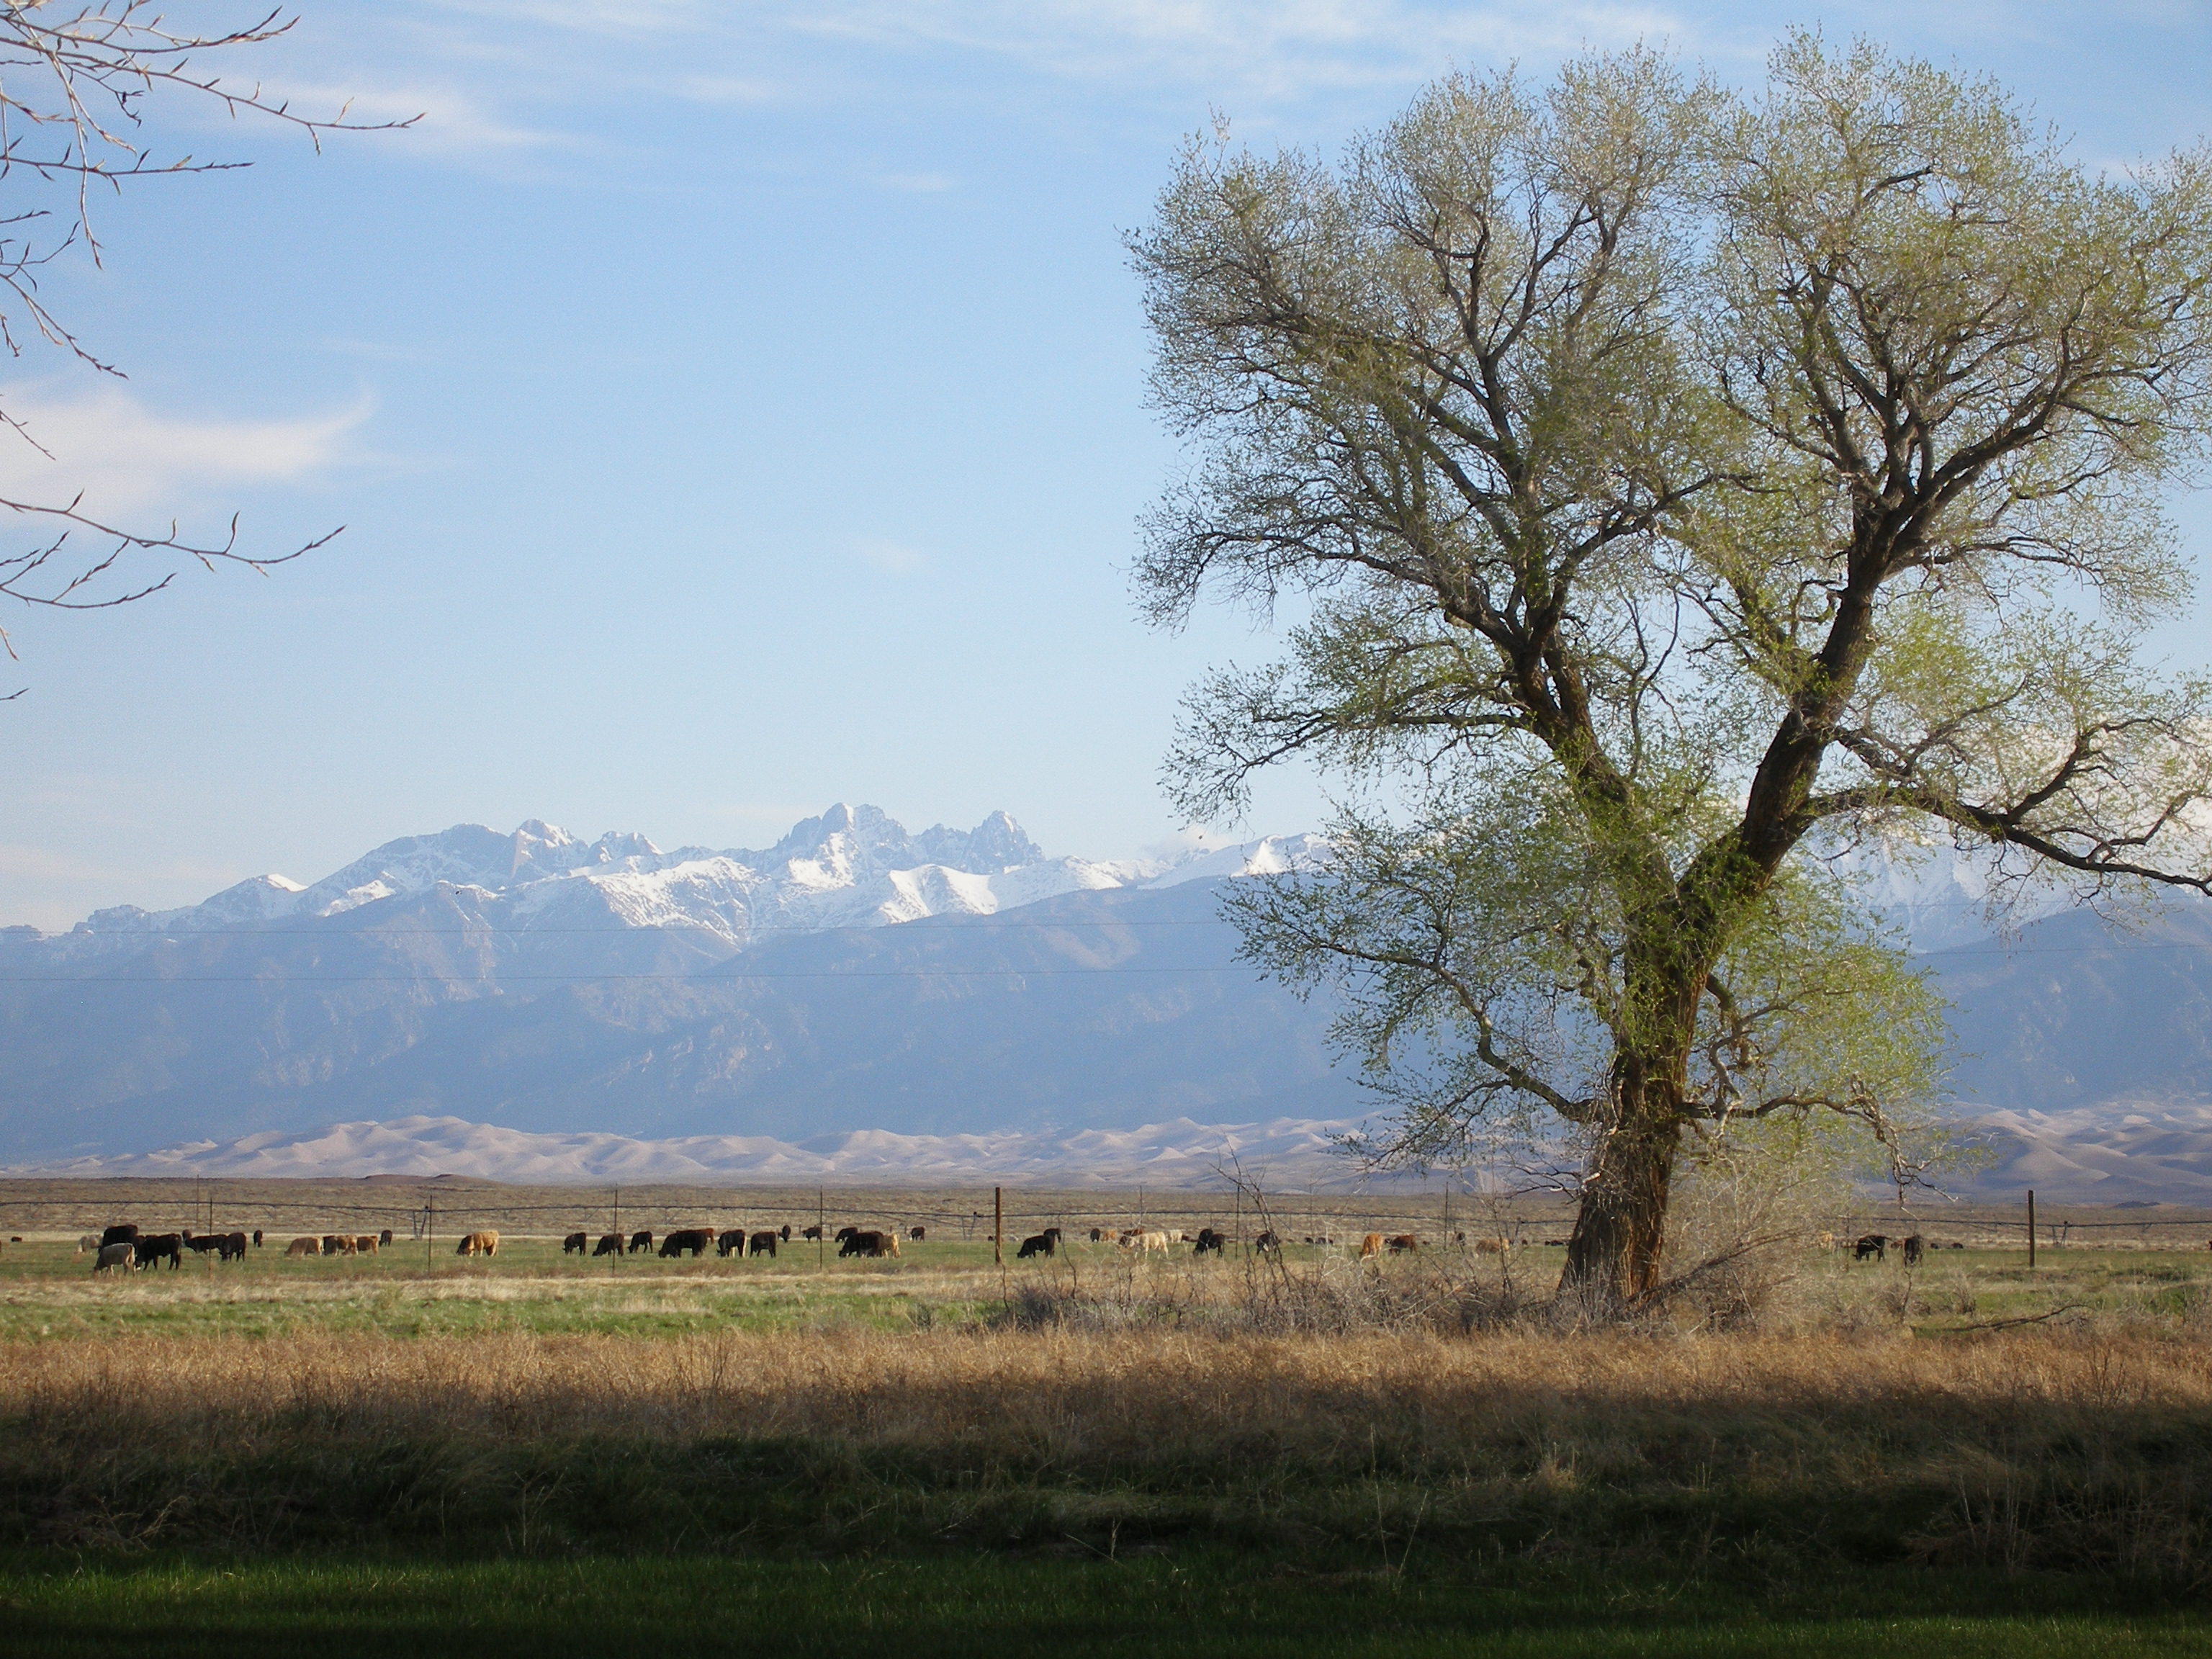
pixel 1675 486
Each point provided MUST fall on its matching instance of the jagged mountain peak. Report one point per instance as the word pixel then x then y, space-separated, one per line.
pixel 866 837
pixel 851 865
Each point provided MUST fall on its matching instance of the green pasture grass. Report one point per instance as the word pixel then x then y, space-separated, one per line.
pixel 1221 1604
pixel 48 1291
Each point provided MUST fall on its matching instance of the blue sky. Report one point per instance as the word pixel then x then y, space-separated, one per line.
pixel 733 408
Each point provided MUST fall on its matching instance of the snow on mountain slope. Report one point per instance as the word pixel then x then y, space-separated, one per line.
pixel 850 867
pixel 1288 1151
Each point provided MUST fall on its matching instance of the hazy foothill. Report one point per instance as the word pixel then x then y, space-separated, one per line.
pixel 1705 532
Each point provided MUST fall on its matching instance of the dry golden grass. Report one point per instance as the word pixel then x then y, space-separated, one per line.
pixel 1147 1395
pixel 2077 1451
pixel 1591 1406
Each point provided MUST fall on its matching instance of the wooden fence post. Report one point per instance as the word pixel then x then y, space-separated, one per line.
pixel 2031 1228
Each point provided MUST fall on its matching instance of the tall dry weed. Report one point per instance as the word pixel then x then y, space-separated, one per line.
pixel 2048 1450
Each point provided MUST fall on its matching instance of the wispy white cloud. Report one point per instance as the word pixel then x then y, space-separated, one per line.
pixel 126 458
pixel 709 89
pixel 445 117
pixel 892 558
pixel 1271 46
pixel 1230 48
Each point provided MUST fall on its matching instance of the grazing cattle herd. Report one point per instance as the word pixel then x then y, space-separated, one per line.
pixel 125 1248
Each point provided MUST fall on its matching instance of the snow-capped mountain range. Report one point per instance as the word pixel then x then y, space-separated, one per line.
pixel 852 976
pixel 852 866
pixel 857 999
pixel 1286 1153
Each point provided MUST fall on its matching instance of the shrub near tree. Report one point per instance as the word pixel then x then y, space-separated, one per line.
pixel 1678 488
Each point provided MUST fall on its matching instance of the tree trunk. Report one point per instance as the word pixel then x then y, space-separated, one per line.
pixel 1612 1255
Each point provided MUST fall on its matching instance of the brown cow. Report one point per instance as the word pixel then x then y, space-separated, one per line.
pixel 366 1244
pixel 483 1244
pixel 303 1247
pixel 858 1242
pixel 575 1244
pixel 1399 1244
pixel 1371 1245
pixel 608 1244
pixel 337 1244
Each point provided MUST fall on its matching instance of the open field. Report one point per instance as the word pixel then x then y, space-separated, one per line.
pixel 415 1452
pixel 1217 1603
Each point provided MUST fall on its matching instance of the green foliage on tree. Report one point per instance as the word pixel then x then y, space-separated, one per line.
pixel 1677 487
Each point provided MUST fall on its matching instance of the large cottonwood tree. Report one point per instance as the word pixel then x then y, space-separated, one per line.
pixel 1676 485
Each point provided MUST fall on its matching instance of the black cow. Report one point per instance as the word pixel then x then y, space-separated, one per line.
pixel 257 1238
pixel 843 1235
pixel 810 1232
pixel 170 1246
pixel 1871 1244
pixel 1913 1246
pixel 764 1243
pixel 233 1248
pixel 122 1233
pixel 201 1244
pixel 384 1238
pixel 1042 1244
pixel 784 1232
pixel 918 1235
pixel 608 1244
pixel 1210 1240
pixel 640 1240
pixel 1098 1235
pixel 575 1244
pixel 1268 1243
pixel 688 1241
pixel 857 1243
pixel 731 1242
